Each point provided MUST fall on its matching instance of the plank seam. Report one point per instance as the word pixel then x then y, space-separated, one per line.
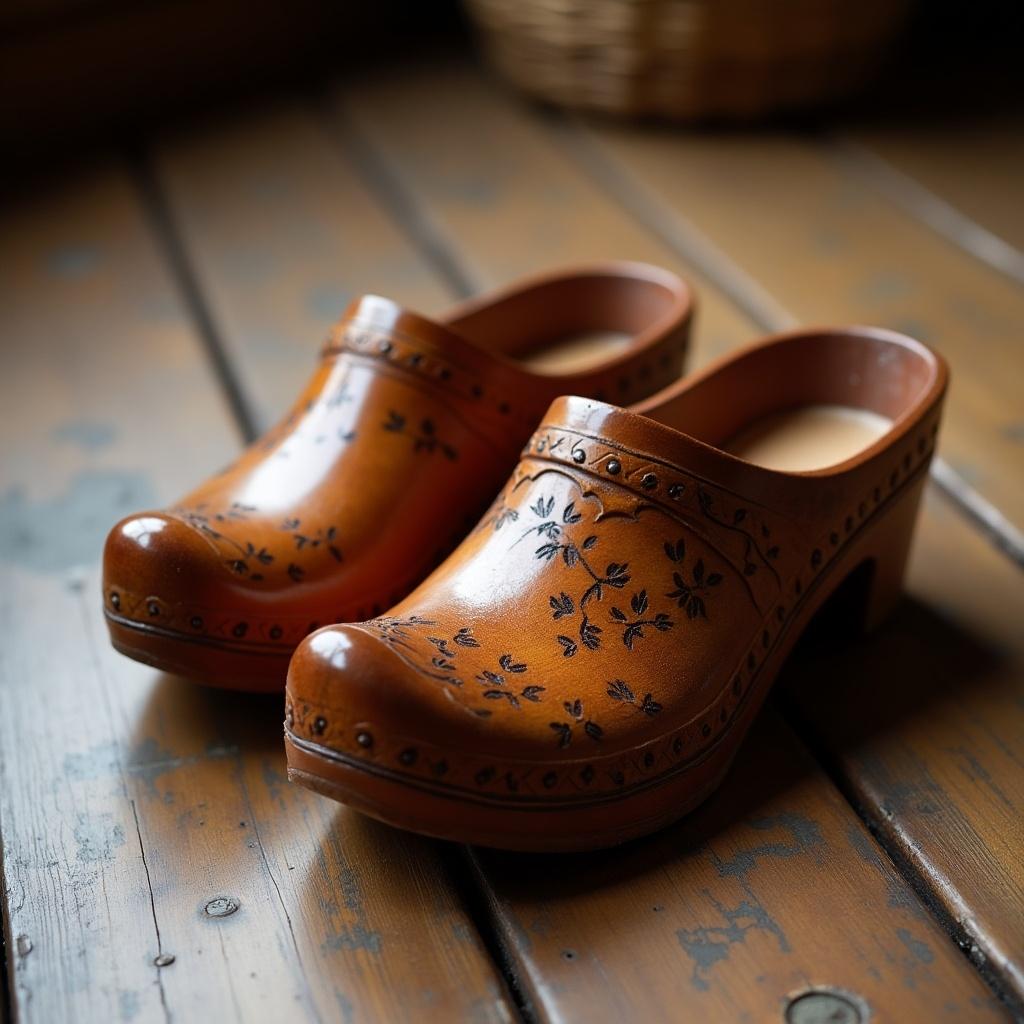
pixel 159 213
pixel 928 208
pixel 664 222
pixel 978 510
pixel 658 217
pixel 76 585
pixel 385 180
pixel 480 904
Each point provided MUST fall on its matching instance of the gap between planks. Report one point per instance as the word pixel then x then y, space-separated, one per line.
pixel 909 872
pixel 183 273
pixel 383 179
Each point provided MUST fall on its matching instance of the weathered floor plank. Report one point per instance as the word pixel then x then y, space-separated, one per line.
pixel 216 184
pixel 975 164
pixel 924 723
pixel 135 799
pixel 94 336
pixel 772 889
pixel 137 808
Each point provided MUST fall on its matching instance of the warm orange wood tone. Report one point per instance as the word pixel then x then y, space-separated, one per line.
pixel 497 189
pixel 538 153
pixel 284 235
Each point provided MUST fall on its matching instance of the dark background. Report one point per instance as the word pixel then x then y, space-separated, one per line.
pixel 80 74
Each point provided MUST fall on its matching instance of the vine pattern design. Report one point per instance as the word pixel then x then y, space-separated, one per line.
pixel 242 556
pixel 424 436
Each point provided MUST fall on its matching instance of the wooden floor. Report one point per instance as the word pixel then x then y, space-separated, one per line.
pixel 157 311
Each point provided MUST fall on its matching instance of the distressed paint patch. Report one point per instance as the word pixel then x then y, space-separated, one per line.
pixel 356 936
pixel 708 945
pixel 97 837
pixel 69 530
pixel 148 760
pixel 128 1005
pixel 804 833
pixel 348 1013
pixel 918 948
pixel 917 959
pixel 92 435
pixel 95 763
pixel 274 780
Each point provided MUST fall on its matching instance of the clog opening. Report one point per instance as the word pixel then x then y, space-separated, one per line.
pixel 805 402
pixel 576 322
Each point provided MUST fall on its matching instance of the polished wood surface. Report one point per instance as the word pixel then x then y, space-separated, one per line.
pixel 153 314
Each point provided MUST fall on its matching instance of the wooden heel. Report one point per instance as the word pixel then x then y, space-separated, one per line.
pixel 886 552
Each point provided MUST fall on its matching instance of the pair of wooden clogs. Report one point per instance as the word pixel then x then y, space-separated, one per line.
pixel 577 663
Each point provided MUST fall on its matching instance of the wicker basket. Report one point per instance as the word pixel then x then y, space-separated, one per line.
pixel 687 59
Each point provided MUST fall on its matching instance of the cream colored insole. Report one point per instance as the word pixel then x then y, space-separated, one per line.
pixel 577 352
pixel 813 437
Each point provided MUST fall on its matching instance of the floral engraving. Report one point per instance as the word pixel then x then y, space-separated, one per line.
pixel 691 595
pixel 564 730
pixel 634 630
pixel 424 437
pixel 621 691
